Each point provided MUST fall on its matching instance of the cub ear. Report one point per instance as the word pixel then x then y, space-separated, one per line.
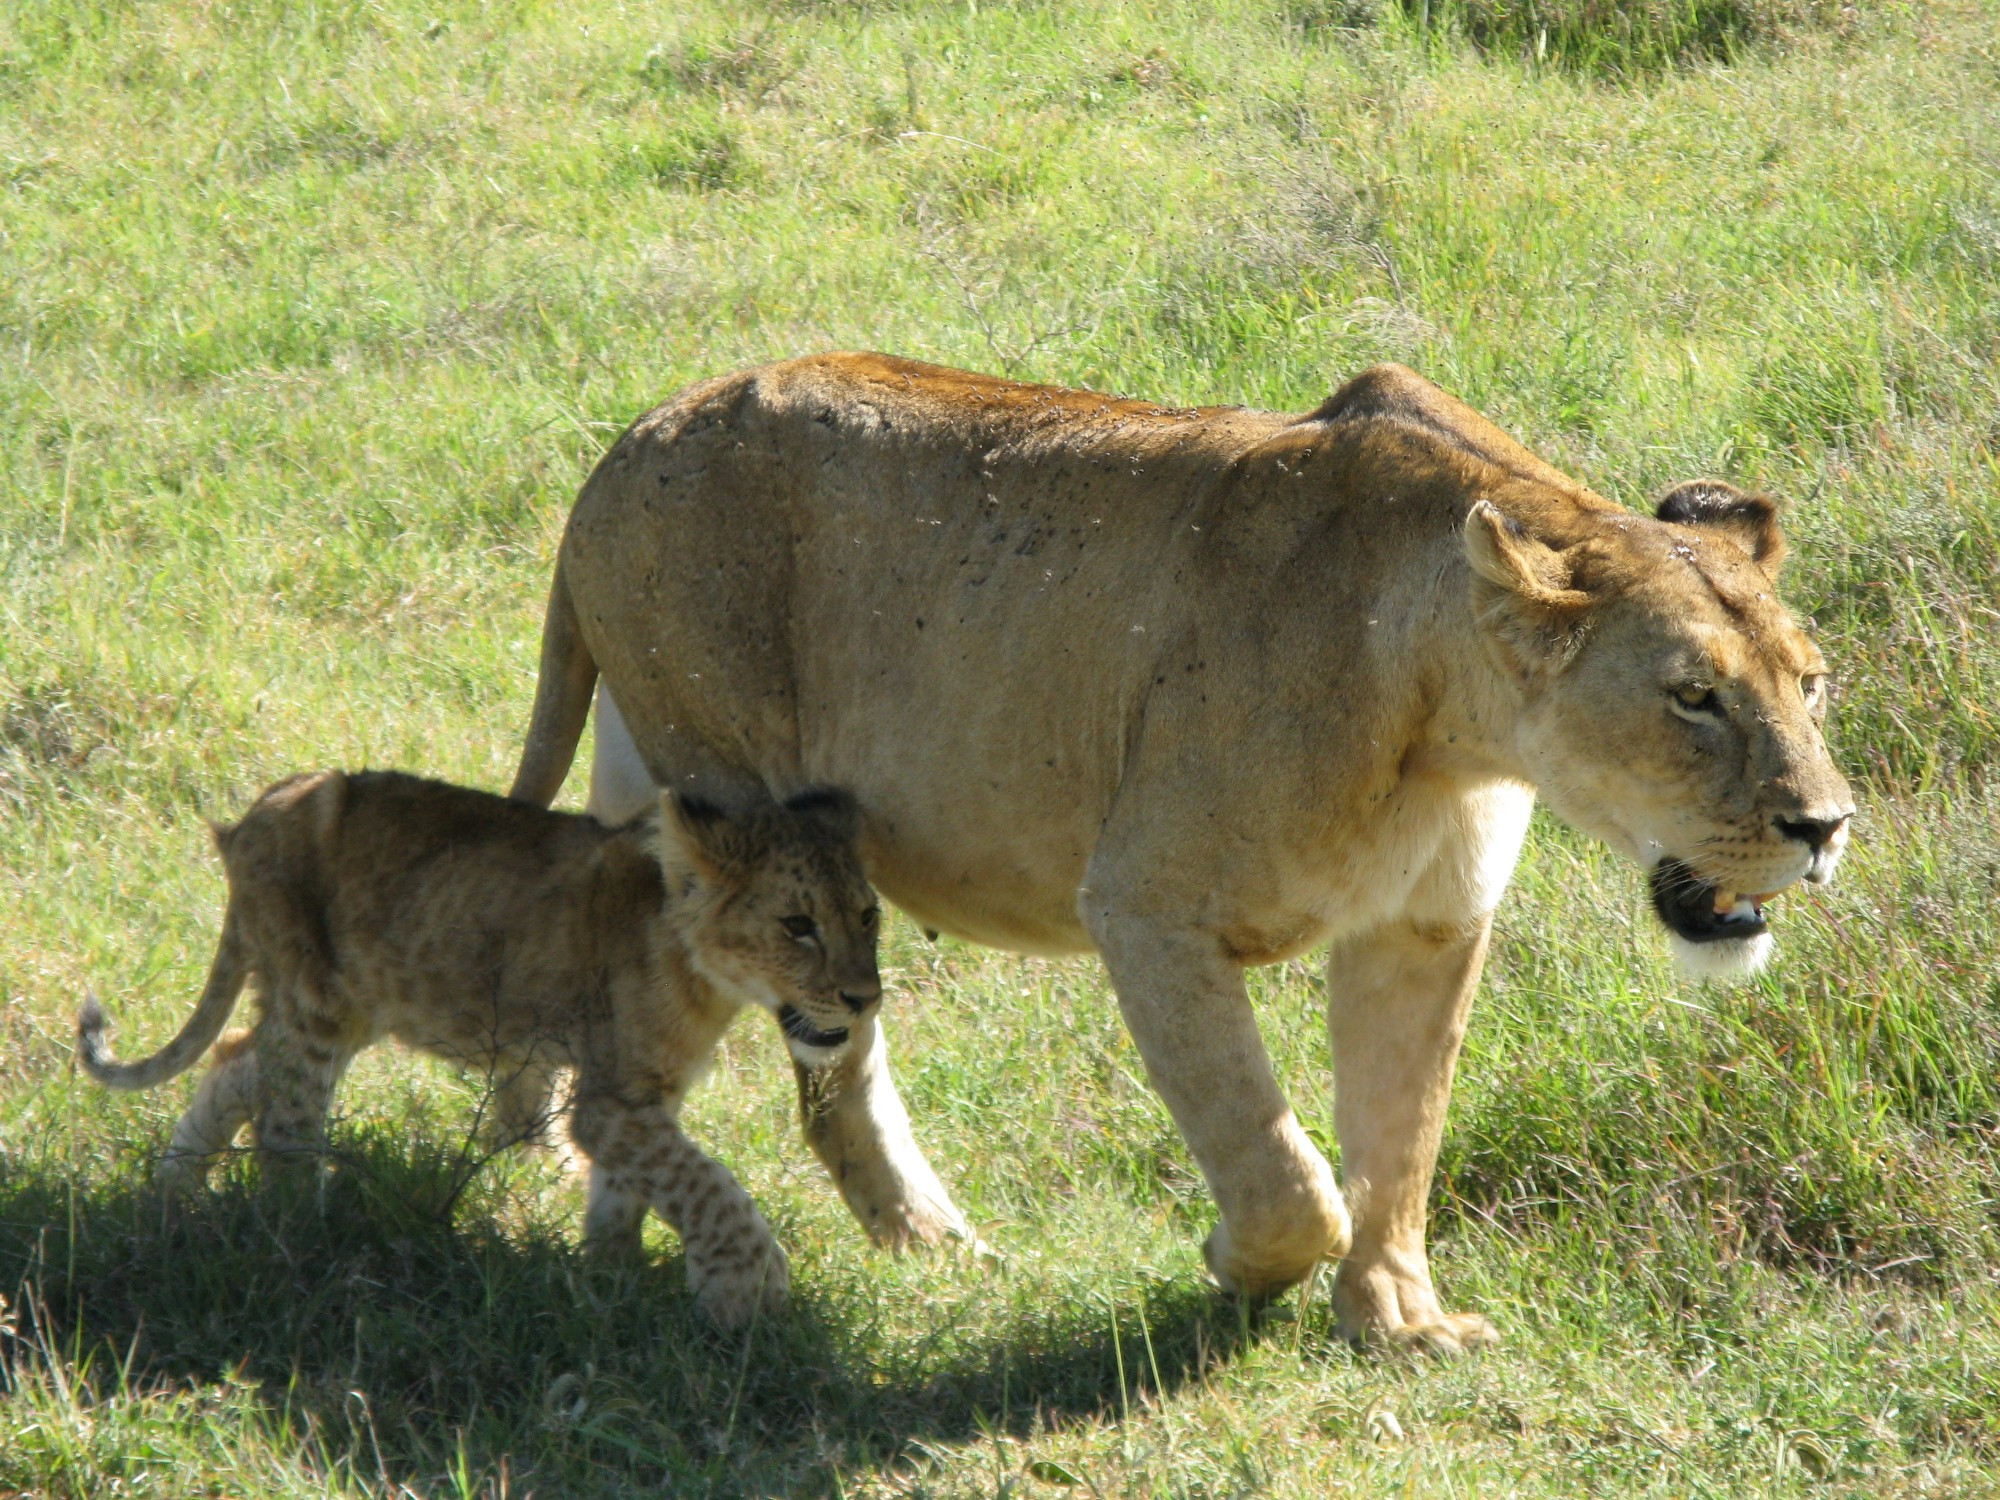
pixel 1750 521
pixel 1521 589
pixel 831 808
pixel 699 835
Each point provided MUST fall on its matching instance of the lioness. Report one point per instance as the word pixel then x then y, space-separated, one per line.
pixel 526 942
pixel 1199 689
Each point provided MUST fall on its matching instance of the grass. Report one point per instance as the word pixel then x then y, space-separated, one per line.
pixel 312 319
pixel 1620 38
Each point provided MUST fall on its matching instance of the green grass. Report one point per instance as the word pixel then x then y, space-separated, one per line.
pixel 1616 38
pixel 312 318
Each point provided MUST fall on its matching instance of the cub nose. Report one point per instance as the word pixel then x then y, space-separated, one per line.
pixel 1814 833
pixel 861 997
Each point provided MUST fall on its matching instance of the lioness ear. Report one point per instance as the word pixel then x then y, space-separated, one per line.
pixel 1521 588
pixel 1750 521
pixel 698 835
pixel 829 807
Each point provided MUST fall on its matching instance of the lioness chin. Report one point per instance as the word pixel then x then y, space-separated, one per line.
pixel 527 944
pixel 1197 689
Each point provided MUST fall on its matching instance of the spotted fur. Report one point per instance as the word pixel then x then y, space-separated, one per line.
pixel 531 945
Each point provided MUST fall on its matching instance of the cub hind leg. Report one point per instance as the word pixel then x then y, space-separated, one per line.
pixel 614 1214
pixel 640 1156
pixel 299 1059
pixel 224 1103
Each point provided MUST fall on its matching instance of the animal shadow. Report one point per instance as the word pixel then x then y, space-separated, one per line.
pixel 413 1341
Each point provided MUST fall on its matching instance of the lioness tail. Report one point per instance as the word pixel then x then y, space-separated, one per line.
pixel 562 701
pixel 225 983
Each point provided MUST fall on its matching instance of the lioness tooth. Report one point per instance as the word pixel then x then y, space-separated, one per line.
pixel 1725 902
pixel 1745 910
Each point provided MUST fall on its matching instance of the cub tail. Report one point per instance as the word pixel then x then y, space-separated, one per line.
pixel 225 982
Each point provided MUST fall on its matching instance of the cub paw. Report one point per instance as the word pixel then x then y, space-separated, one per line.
pixel 181 1175
pixel 615 1245
pixel 735 1286
pixel 612 1222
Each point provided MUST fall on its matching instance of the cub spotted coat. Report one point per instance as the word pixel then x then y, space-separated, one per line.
pixel 526 943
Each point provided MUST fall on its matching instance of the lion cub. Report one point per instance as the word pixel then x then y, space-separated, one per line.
pixel 525 942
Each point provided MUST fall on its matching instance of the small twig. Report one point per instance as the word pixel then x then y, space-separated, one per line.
pixel 910 135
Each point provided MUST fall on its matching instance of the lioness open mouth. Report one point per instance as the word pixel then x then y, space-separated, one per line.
pixel 799 1029
pixel 1702 913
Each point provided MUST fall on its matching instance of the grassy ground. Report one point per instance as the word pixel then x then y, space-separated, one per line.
pixel 312 317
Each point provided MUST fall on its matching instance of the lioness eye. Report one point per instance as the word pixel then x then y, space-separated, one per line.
pixel 1812 686
pixel 870 917
pixel 1697 698
pixel 800 927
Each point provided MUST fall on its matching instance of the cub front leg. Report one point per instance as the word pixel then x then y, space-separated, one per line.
pixel 857 1126
pixel 1396 1008
pixel 735 1266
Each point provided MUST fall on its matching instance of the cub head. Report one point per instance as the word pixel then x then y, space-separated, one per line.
pixel 776 911
pixel 1669 704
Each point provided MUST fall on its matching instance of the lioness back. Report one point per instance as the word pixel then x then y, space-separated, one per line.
pixel 528 944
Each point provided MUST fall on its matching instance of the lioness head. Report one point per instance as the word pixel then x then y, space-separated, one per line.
pixel 1669 703
pixel 775 910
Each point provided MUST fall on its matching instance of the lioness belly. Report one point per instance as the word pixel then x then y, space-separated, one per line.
pixel 970 617
pixel 783 584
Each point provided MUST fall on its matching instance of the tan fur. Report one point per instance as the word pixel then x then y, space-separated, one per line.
pixel 527 944
pixel 1195 689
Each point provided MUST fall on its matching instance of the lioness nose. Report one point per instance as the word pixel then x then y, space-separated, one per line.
pixel 1814 833
pixel 861 997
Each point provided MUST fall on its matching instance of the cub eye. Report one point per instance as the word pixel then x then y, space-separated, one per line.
pixel 870 917
pixel 1696 700
pixel 1812 687
pixel 800 927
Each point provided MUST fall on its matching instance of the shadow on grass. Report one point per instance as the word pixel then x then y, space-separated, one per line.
pixel 404 1339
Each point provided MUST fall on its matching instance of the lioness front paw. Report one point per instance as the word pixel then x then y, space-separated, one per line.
pixel 738 1284
pixel 1279 1261
pixel 1382 1310
pixel 1447 1333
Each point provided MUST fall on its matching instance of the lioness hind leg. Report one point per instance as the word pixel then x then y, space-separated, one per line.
pixel 222 1106
pixel 735 1266
pixel 857 1126
pixel 522 1110
pixel 620 787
